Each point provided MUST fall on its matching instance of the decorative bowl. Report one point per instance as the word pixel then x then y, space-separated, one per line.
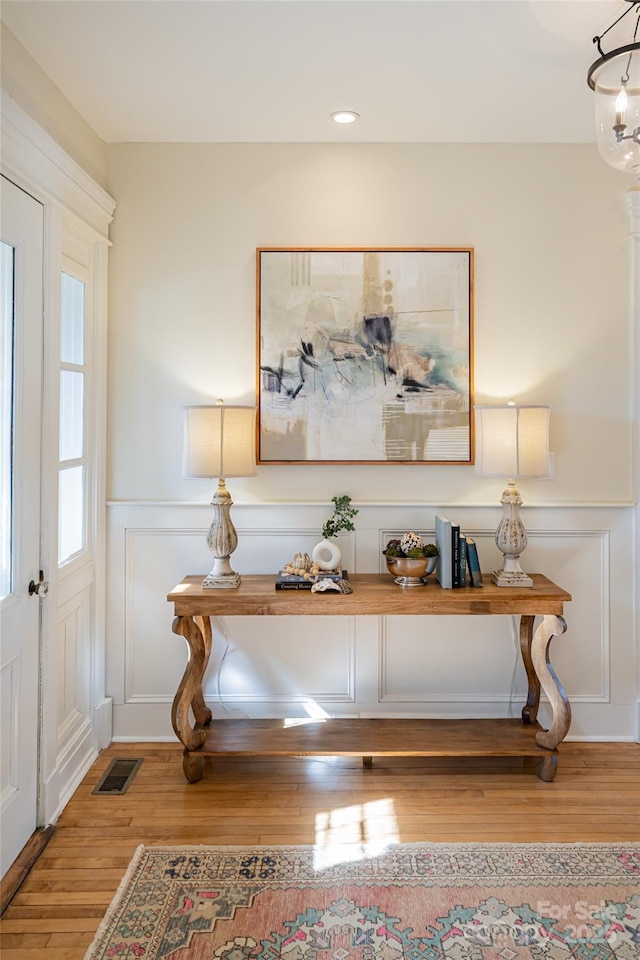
pixel 409 572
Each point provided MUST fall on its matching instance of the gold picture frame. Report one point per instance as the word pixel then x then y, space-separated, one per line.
pixel 365 355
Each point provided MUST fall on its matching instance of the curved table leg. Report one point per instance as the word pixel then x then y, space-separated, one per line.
pixel 547 767
pixel 201 711
pixel 190 686
pixel 193 766
pixel 560 706
pixel 530 710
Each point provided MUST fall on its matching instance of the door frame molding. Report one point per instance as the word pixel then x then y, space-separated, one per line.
pixel 75 207
pixel 633 214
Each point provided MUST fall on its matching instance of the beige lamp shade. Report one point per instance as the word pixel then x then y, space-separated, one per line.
pixel 512 441
pixel 220 441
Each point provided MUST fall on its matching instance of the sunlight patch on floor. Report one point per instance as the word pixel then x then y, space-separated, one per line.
pixel 356 832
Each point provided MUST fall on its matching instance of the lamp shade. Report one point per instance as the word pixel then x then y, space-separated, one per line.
pixel 512 441
pixel 220 441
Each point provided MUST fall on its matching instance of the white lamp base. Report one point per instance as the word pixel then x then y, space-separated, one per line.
pixel 211 582
pixel 511 575
pixel 222 540
pixel 511 539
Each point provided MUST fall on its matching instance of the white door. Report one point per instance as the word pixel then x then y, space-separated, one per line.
pixel 21 266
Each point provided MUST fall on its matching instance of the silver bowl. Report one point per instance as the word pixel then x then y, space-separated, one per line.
pixel 409 572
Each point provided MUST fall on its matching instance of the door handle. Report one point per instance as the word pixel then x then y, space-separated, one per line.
pixel 41 588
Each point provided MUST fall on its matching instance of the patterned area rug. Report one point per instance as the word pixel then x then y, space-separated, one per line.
pixel 412 901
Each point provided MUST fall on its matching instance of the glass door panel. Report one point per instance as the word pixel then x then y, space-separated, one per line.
pixel 72 486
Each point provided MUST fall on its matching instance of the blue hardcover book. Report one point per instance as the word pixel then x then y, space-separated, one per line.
pixel 462 579
pixel 473 563
pixel 444 544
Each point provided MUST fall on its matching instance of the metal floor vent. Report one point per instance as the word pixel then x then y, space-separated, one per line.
pixel 118 776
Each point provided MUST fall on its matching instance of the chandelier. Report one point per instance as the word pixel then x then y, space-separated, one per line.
pixel 615 79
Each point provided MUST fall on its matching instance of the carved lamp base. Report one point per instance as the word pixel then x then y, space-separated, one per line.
pixel 222 540
pixel 511 539
pixel 511 578
pixel 232 581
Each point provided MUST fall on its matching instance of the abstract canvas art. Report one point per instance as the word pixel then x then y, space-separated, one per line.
pixel 365 356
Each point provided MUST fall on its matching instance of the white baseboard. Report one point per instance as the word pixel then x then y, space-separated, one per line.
pixel 63 782
pixel 103 723
pixel 74 759
pixel 144 740
pixel 74 782
pixel 612 739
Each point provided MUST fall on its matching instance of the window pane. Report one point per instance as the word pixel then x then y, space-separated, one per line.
pixel 72 320
pixel 71 420
pixel 6 418
pixel 70 512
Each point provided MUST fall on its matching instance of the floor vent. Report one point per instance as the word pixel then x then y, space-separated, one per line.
pixel 118 776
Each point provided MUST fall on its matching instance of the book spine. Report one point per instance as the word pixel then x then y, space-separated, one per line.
pixel 473 562
pixel 294 585
pixel 286 581
pixel 443 541
pixel 455 555
pixel 463 561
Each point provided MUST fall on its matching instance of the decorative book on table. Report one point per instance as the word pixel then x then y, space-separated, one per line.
pixel 455 560
pixel 444 542
pixel 473 563
pixel 462 562
pixel 290 581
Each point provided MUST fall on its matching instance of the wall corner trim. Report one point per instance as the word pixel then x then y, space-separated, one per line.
pixel 33 159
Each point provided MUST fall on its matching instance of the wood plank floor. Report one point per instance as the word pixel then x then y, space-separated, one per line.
pixel 595 796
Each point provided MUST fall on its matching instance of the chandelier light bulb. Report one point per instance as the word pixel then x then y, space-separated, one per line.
pixel 621 105
pixel 622 100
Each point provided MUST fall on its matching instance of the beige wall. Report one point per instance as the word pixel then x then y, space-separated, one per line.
pixel 549 230
pixel 32 89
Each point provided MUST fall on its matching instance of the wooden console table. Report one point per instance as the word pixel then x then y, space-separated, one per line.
pixel 373 594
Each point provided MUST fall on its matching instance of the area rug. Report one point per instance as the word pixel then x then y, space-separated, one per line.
pixel 410 901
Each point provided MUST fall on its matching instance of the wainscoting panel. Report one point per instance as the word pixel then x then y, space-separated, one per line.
pixel 73 669
pixel 367 666
pixel 265 660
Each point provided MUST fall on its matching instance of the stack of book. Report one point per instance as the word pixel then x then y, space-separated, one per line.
pixel 290 581
pixel 458 556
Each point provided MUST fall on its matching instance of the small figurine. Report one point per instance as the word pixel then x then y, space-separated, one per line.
pixel 325 584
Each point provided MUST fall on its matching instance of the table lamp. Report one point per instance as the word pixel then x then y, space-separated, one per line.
pixel 219 442
pixel 512 441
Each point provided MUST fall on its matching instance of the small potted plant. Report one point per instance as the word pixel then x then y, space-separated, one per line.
pixel 328 554
pixel 410 560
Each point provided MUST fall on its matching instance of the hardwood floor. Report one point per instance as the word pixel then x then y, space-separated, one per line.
pixel 595 796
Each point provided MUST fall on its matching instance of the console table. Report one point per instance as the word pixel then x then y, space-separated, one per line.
pixel 373 594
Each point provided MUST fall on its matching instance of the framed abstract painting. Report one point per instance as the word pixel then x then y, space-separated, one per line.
pixel 365 355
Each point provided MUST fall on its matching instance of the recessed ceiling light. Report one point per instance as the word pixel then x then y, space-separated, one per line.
pixel 345 116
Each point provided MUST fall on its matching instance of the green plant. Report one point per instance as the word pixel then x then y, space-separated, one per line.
pixel 341 518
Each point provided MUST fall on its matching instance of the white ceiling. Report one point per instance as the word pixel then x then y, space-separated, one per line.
pixel 273 70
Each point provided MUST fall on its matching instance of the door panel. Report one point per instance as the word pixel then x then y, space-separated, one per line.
pixel 20 405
